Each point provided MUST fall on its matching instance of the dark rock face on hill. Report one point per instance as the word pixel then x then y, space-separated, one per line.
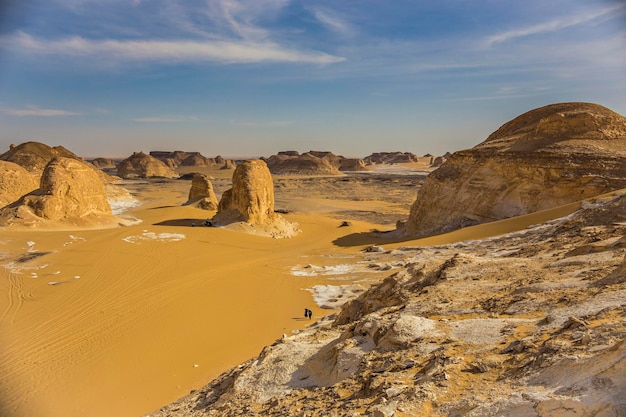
pixel 547 157
pixel 391 158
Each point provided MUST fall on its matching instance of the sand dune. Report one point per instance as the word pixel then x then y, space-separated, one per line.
pixel 140 315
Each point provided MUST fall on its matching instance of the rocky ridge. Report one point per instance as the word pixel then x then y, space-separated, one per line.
pixel 545 158
pixel 15 181
pixel 531 323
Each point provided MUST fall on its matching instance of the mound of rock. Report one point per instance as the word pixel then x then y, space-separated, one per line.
pixel 196 161
pixel 141 165
pixel 251 201
pixel 391 158
pixel 545 158
pixel 103 163
pixel 310 163
pixel 34 156
pixel 201 193
pixel 352 164
pixel 15 181
pixel 69 190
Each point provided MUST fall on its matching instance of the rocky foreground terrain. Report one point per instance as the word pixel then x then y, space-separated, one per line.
pixel 526 324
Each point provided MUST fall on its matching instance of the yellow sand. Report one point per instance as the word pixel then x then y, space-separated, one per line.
pixel 134 325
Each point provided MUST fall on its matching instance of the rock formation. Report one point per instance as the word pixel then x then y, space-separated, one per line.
pixel 103 163
pixel 201 193
pixel 141 165
pixel 69 190
pixel 15 181
pixel 390 158
pixel 196 161
pixel 34 156
pixel 352 164
pixel 310 163
pixel 251 201
pixel 228 164
pixel 547 157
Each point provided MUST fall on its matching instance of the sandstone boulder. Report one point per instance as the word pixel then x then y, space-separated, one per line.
pixel 547 157
pixel 251 201
pixel 201 193
pixel 141 165
pixel 69 189
pixel 15 181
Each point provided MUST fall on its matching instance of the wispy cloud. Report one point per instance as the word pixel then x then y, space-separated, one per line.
pixel 270 123
pixel 334 22
pixel 159 119
pixel 38 112
pixel 174 51
pixel 554 25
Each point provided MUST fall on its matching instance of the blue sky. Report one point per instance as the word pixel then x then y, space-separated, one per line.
pixel 253 77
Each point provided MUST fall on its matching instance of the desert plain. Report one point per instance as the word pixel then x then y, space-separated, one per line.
pixel 119 321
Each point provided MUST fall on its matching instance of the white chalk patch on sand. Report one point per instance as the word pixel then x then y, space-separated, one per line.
pixel 54 283
pixel 18 267
pixel 74 239
pixel 160 237
pixel 334 296
pixel 76 276
pixel 123 205
pixel 31 246
pixel 332 270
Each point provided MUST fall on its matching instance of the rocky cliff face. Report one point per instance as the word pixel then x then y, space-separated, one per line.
pixel 201 193
pixel 251 201
pixel 141 165
pixel 69 189
pixel 15 181
pixel 544 158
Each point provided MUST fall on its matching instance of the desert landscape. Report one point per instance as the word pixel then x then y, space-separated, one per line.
pixel 488 281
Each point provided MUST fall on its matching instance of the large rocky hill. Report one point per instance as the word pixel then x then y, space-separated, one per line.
pixel 544 158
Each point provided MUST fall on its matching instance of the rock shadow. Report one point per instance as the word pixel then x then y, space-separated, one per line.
pixel 183 223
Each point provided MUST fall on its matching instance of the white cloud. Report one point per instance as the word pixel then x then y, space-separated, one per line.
pixel 36 111
pixel 175 51
pixel 554 25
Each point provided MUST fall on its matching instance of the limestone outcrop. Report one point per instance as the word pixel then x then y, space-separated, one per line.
pixel 141 165
pixel 69 190
pixel 251 201
pixel 15 181
pixel 201 193
pixel 391 158
pixel 34 156
pixel 103 163
pixel 310 163
pixel 352 164
pixel 547 157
